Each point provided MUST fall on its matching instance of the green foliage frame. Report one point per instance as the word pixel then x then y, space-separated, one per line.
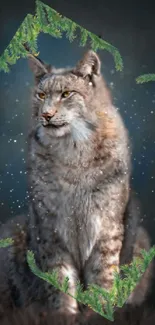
pixel 47 20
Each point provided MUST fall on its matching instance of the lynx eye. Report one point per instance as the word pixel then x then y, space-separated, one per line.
pixel 66 94
pixel 41 95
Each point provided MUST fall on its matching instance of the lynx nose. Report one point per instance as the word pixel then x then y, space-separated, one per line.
pixel 48 115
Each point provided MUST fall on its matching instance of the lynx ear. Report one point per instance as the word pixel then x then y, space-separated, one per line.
pixel 38 67
pixel 89 65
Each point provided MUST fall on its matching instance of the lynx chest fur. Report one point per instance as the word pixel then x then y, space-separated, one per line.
pixel 76 201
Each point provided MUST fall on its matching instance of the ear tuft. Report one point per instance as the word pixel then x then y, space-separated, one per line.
pixel 38 67
pixel 89 65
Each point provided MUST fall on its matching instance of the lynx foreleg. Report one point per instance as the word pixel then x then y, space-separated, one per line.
pixel 105 258
pixel 62 263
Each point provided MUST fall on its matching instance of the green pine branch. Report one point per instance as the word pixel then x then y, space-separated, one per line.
pixel 145 78
pixel 6 242
pixel 66 25
pixel 47 20
pixel 97 298
pixel 26 34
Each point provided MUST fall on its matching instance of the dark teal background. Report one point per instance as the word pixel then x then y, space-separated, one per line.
pixel 128 26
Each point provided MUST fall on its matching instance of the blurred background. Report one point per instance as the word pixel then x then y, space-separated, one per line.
pixel 130 27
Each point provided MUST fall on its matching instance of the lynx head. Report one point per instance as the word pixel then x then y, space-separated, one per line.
pixel 64 99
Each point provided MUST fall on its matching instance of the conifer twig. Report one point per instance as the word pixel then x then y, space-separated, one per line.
pixel 101 301
pixel 97 298
pixel 6 242
pixel 145 78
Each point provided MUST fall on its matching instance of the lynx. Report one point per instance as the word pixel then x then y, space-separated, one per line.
pixel 79 167
pixel 79 171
